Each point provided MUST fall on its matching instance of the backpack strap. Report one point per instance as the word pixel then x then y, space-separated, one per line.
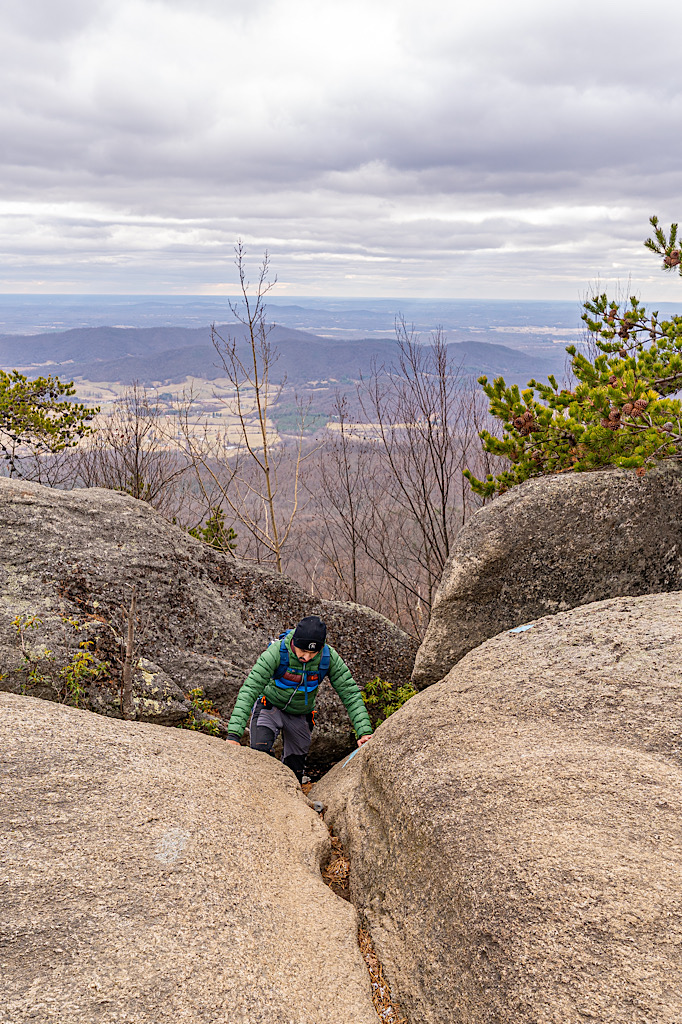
pixel 283 655
pixel 325 660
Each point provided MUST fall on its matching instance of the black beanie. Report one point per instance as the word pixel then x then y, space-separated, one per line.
pixel 310 634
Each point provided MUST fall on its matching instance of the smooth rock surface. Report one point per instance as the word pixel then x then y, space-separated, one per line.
pixel 515 831
pixel 204 617
pixel 149 882
pixel 551 544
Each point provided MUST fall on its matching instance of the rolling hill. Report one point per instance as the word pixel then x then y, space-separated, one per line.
pixel 168 355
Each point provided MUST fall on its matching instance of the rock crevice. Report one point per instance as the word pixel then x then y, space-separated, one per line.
pixel 515 830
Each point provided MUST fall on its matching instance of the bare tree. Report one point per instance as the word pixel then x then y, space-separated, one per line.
pixel 244 476
pixel 392 492
pixel 131 451
pixel 129 616
pixel 55 469
pixel 426 414
pixel 343 480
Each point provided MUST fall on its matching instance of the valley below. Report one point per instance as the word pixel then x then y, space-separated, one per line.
pixel 165 347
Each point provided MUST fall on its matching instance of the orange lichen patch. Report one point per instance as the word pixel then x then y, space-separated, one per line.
pixel 387 1009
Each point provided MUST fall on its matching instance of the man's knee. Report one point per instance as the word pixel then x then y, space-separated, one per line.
pixel 262 738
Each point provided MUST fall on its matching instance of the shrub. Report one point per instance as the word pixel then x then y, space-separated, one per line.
pixel 214 533
pixel 83 668
pixel 382 698
pixel 197 722
pixel 622 410
pixel 69 682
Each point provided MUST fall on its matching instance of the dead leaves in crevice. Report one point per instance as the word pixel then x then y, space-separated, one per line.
pixel 336 875
pixel 337 871
pixel 387 1010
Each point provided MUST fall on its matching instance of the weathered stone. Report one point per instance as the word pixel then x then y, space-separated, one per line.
pixel 515 831
pixel 551 544
pixel 150 882
pixel 204 617
pixel 157 698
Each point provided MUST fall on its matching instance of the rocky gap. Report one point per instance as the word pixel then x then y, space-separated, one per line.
pixel 336 873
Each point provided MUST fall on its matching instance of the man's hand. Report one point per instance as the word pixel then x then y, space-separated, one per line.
pixel 363 739
pixel 236 742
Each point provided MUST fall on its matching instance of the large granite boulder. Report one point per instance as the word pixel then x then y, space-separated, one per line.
pixel 551 544
pixel 68 564
pixel 153 879
pixel 515 831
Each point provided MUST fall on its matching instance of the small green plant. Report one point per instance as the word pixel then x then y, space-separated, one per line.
pixel 22 623
pixel 83 668
pixel 214 532
pixel 68 682
pixel 38 665
pixel 382 698
pixel 204 706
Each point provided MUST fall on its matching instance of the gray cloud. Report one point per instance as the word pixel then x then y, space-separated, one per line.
pixel 386 147
pixel 38 20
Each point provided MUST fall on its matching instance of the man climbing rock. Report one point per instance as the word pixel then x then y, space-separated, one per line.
pixel 280 690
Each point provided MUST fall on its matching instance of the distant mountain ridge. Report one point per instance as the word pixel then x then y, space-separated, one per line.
pixel 168 355
pixel 90 344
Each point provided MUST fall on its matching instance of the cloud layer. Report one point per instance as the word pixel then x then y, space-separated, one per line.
pixel 378 147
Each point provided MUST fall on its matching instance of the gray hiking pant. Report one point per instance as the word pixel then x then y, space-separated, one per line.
pixel 267 722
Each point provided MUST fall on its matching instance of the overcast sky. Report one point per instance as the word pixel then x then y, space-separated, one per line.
pixel 453 148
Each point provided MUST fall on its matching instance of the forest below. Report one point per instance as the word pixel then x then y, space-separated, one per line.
pixel 364 506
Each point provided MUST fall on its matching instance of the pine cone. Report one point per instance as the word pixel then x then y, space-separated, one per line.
pixel 673 260
pixel 614 415
pixel 627 409
pixel 622 353
pixel 528 416
pixel 640 406
pixel 613 380
pixel 519 422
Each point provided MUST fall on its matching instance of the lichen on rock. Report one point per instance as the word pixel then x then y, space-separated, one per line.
pixel 550 544
pixel 204 616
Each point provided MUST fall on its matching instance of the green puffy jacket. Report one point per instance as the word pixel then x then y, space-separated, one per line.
pixel 260 681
